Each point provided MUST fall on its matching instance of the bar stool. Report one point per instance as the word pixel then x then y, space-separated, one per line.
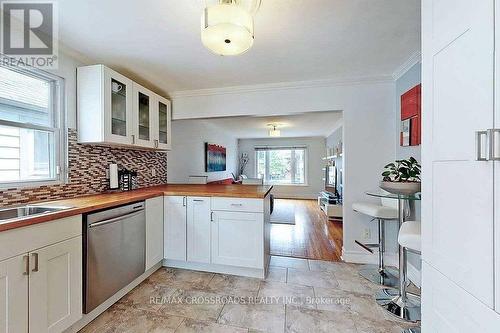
pixel 399 302
pixel 387 211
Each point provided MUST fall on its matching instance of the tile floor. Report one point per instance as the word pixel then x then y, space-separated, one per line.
pixel 299 295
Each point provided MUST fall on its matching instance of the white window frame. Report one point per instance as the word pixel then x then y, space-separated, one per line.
pixel 269 148
pixel 58 128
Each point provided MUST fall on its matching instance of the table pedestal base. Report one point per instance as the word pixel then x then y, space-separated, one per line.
pixel 392 301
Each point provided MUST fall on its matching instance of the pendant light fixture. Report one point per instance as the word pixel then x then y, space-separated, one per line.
pixel 227 26
pixel 274 133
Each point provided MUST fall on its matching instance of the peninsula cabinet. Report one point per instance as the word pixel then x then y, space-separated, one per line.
pixel 237 238
pixel 198 229
pixel 41 277
pixel 175 228
pixel 217 234
pixel 114 110
pixel 460 219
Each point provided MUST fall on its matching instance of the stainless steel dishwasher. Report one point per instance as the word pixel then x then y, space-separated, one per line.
pixel 115 251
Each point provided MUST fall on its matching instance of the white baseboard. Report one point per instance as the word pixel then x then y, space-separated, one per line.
pixel 363 257
pixel 215 268
pixel 391 259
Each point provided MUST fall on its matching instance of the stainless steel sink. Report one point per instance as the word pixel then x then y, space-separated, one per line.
pixel 28 210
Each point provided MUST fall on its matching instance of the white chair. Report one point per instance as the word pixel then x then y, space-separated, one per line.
pixel 400 302
pixel 386 211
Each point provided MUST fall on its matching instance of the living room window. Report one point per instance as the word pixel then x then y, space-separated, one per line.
pixel 32 136
pixel 281 165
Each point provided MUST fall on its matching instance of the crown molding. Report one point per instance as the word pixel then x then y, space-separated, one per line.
pixel 266 87
pixel 414 59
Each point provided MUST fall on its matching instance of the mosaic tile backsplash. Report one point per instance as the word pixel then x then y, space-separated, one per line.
pixel 87 172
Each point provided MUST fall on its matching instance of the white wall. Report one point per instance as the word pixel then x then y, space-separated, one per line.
pixel 369 131
pixel 68 63
pixel 315 150
pixel 187 157
pixel 407 81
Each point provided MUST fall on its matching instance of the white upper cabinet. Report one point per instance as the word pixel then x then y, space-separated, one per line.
pixel 114 110
pixel 162 117
pixel 143 117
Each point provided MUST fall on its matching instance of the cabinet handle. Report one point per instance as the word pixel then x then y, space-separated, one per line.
pixel 212 216
pixel 479 145
pixel 198 200
pixel 133 139
pixel 236 205
pixel 492 144
pixel 156 143
pixel 26 260
pixel 35 257
pixel 184 201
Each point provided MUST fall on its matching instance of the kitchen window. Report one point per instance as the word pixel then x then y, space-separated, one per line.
pixel 32 132
pixel 281 165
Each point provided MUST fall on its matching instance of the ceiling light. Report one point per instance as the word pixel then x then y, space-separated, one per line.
pixel 227 26
pixel 274 132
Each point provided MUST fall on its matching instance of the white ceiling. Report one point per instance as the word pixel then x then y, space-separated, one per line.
pixel 295 40
pixel 300 125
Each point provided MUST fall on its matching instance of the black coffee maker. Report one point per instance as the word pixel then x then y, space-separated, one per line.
pixel 128 179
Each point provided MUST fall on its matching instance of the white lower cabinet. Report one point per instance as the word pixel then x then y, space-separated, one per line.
pixel 41 277
pixel 55 286
pixel 215 234
pixel 175 228
pixel 237 239
pixel 154 231
pixel 198 229
pixel 14 295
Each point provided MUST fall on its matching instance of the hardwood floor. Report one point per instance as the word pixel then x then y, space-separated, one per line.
pixel 312 236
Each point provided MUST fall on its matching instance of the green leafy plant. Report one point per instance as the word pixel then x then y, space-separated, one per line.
pixel 402 171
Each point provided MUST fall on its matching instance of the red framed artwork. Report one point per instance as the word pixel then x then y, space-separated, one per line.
pixel 411 117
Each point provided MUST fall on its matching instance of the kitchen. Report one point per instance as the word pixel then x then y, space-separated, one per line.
pixel 67 260
pixel 162 175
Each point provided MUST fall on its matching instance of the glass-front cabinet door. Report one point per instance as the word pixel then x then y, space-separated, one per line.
pixel 118 114
pixel 143 114
pixel 161 125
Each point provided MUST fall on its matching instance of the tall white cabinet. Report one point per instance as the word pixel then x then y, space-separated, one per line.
pixel 458 222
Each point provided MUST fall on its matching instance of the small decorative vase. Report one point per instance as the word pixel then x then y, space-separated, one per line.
pixel 403 188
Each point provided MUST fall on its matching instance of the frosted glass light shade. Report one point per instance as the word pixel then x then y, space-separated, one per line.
pixel 227 29
pixel 274 133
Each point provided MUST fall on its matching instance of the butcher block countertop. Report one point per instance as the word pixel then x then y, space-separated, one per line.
pixel 89 203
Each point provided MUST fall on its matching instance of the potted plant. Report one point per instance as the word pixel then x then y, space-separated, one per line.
pixel 402 177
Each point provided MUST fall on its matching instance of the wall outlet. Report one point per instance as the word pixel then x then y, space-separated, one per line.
pixel 153 172
pixel 368 233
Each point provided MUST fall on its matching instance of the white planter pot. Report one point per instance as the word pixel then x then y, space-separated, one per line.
pixel 405 188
